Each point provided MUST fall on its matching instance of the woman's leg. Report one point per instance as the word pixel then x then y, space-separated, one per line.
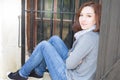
pixel 36 60
pixel 60 46
pixel 55 63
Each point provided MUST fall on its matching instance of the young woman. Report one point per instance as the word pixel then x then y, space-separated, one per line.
pixel 78 63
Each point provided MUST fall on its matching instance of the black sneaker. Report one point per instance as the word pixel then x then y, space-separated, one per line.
pixel 16 76
pixel 33 74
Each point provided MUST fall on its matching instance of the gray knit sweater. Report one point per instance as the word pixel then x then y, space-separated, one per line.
pixel 82 61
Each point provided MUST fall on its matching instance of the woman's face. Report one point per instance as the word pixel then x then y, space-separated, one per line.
pixel 87 17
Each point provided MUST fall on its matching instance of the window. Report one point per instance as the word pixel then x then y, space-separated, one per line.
pixel 50 17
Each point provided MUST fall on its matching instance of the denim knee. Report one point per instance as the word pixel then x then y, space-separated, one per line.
pixel 44 42
pixel 53 38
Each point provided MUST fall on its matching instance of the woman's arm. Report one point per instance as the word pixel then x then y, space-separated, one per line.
pixel 83 47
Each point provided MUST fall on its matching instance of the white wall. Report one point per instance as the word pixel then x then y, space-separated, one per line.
pixel 9 51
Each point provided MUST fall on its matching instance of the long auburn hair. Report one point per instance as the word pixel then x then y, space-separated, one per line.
pixel 97 8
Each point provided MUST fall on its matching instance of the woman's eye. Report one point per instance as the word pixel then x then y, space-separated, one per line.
pixel 89 15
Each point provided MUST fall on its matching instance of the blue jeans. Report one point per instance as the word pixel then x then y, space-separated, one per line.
pixel 51 54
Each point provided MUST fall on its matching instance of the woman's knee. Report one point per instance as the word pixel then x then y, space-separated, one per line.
pixel 54 38
pixel 43 43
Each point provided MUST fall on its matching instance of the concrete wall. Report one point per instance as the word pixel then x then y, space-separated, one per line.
pixel 9 51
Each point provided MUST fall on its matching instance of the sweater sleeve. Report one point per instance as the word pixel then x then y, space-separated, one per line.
pixel 81 49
